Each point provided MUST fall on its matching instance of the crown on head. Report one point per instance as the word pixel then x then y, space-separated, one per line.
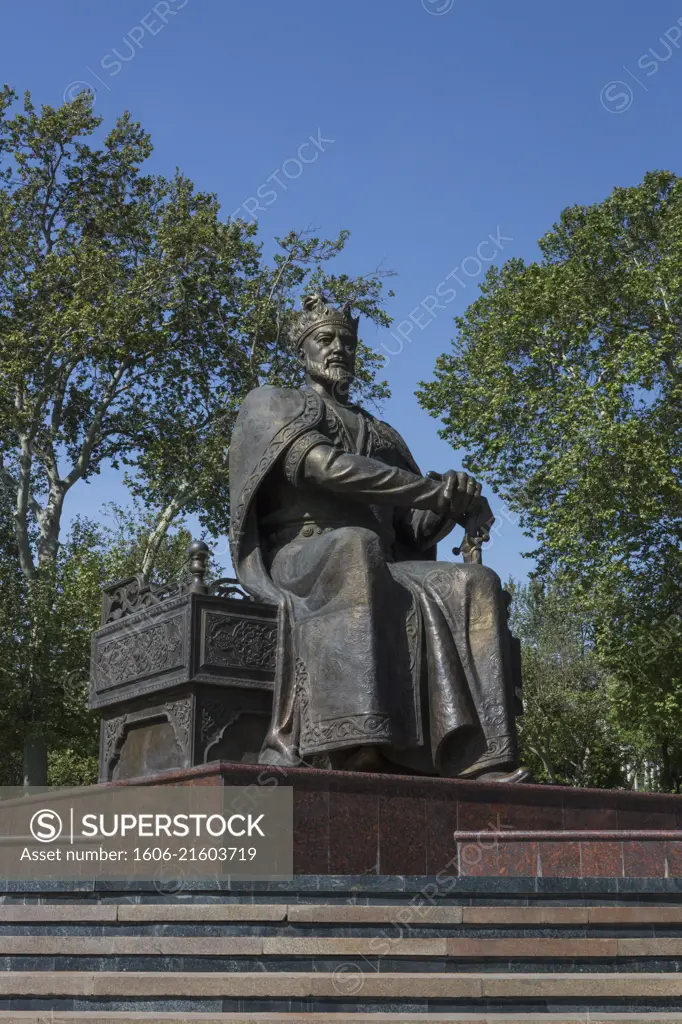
pixel 316 311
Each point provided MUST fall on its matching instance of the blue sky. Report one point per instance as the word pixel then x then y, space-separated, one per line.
pixel 438 124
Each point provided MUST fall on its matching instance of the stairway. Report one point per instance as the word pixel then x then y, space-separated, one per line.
pixel 341 948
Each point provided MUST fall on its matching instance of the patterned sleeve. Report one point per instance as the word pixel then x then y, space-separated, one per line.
pixel 387 433
pixel 293 460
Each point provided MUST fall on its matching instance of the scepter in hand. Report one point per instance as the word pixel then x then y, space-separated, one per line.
pixel 477 525
pixel 477 520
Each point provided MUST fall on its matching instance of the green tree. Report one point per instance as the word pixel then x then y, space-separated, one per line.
pixel 638 637
pixel 565 384
pixel 132 322
pixel 88 557
pixel 12 633
pixel 567 732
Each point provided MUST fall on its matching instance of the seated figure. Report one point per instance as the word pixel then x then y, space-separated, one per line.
pixel 387 659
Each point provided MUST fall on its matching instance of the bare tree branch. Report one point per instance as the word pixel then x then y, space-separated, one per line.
pixel 91 433
pixel 163 524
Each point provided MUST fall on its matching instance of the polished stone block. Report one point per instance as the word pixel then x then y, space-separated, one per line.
pixel 402 832
pixel 350 823
pixel 559 859
pixel 601 859
pixel 644 860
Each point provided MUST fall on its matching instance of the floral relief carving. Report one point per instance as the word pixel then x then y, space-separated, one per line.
pixel 243 642
pixel 140 653
pixel 113 731
pixel 180 716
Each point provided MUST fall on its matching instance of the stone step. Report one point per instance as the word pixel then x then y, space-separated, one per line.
pixel 347 985
pixel 447 882
pixel 36 1017
pixel 321 913
pixel 344 890
pixel 78 1017
pixel 377 948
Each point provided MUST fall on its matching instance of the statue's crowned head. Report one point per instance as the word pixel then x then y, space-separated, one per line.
pixel 325 338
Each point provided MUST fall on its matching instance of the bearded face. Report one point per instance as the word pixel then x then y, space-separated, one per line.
pixel 329 354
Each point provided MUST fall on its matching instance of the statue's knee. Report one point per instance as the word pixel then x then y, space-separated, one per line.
pixel 356 540
pixel 483 581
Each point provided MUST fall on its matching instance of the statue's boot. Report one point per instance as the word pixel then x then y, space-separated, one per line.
pixel 520 774
pixel 364 759
pixel 278 755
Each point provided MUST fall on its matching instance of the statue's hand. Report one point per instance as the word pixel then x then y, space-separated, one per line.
pixel 479 519
pixel 477 525
pixel 459 492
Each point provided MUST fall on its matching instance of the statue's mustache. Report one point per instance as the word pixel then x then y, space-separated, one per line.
pixel 331 362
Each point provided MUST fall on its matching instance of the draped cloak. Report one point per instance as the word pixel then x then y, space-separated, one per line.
pixel 378 643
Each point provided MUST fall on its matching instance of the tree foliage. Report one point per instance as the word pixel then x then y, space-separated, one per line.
pixel 567 732
pixel 565 384
pixel 638 638
pixel 133 319
pixel 90 556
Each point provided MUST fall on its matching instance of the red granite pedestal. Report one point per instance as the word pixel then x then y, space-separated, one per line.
pixel 348 823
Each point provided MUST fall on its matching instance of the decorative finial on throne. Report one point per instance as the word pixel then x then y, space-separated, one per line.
pixel 199 553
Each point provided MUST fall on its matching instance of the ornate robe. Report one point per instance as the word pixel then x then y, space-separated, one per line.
pixel 377 643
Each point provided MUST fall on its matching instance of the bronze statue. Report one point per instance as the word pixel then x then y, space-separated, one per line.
pixel 387 659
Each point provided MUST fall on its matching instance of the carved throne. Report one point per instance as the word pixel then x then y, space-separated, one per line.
pixel 182 674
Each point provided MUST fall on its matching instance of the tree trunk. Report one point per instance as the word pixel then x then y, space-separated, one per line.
pixel 667 782
pixel 35 761
pixel 540 751
pixel 163 524
pixel 39 708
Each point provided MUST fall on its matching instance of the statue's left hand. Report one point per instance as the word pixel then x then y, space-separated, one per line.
pixel 479 519
pixel 469 509
pixel 460 493
pixel 477 525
